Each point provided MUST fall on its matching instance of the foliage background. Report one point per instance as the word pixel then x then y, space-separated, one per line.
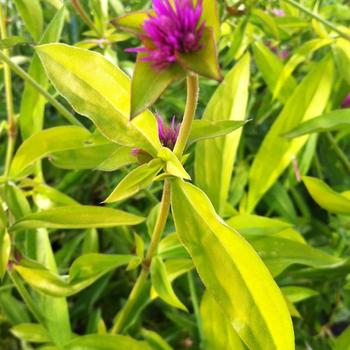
pixel 324 316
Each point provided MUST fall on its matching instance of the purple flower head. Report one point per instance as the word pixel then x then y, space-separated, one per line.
pixel 171 30
pixel 346 102
pixel 168 134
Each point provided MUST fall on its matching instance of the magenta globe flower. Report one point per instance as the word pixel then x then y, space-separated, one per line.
pixel 171 30
pixel 178 39
pixel 168 133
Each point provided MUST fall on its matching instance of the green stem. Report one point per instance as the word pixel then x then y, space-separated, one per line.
pixel 136 291
pixel 191 104
pixel 341 155
pixel 195 304
pixel 318 18
pixel 11 121
pixel 60 108
pixel 26 297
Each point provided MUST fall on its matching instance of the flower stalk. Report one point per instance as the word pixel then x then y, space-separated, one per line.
pixel 191 105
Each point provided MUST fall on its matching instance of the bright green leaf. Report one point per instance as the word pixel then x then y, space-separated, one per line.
pixel 231 271
pixel 76 217
pixel 215 158
pixel 275 154
pixel 138 179
pixel 31 332
pixel 327 198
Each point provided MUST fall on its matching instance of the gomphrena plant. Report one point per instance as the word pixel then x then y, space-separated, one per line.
pixel 174 205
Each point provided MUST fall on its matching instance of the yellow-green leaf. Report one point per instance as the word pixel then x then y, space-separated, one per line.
pixel 100 91
pixel 276 153
pixel 136 180
pixel 327 198
pixel 76 217
pixel 214 158
pixel 232 272
pixel 218 330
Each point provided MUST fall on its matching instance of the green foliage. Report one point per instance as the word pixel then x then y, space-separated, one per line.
pixel 106 243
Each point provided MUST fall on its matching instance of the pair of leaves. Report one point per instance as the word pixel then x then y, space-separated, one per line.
pixel 231 271
pixel 84 271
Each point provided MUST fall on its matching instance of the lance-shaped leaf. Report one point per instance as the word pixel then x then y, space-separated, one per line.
pixel 103 97
pixel 231 271
pixel 32 15
pixel 106 342
pixel 297 294
pixel 276 152
pixel 173 166
pixel 335 120
pixel 32 108
pixel 148 84
pixel 31 332
pixel 279 253
pixel 271 67
pixel 5 243
pixel 205 61
pixel 132 22
pixel 76 217
pixel 162 284
pixel 11 41
pixel 136 180
pixel 215 158
pixel 45 142
pixel 218 330
pixel 83 272
pixel 300 55
pixel 206 129
pixel 327 198
pixel 342 57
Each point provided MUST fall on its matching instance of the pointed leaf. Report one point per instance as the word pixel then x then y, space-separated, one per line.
pixel 214 158
pixel 327 198
pixel 76 217
pixel 136 180
pixel 335 120
pixel 45 142
pixel 275 154
pixel 162 284
pixel 103 97
pixel 83 272
pixel 231 271
pixel 206 129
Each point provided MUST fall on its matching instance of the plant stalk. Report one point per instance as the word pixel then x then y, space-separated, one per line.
pixel 341 155
pixel 318 18
pixel 191 104
pixel 190 110
pixel 21 73
pixel 11 121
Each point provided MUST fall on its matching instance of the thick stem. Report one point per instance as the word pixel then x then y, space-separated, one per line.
pixel 318 18
pixel 191 104
pixel 11 121
pixel 21 73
